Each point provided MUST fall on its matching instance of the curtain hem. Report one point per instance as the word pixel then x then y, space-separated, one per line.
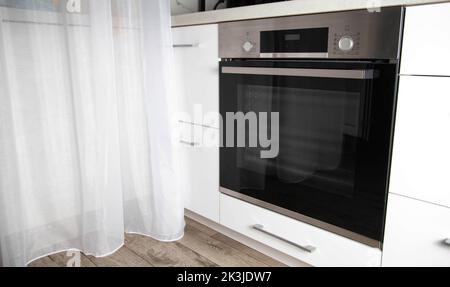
pixel 175 238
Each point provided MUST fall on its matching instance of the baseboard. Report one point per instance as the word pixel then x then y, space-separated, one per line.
pixel 267 250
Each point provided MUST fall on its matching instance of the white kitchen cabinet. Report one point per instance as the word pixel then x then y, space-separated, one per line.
pixel 197 73
pixel 328 249
pixel 415 233
pixel 197 79
pixel 426 41
pixel 418 214
pixel 421 155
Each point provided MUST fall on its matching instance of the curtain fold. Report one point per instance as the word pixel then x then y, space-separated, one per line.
pixel 85 142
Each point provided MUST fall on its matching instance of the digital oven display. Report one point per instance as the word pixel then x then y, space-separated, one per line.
pixel 292 37
pixel 313 40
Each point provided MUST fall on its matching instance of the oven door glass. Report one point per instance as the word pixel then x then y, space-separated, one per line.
pixel 330 155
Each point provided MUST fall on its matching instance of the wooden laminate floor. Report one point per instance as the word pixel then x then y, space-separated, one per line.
pixel 200 247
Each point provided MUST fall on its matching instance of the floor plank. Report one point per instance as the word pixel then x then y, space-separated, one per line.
pixel 217 251
pixel 123 257
pixel 165 254
pixel 62 259
pixel 200 247
pixel 203 228
pixel 43 262
pixel 249 251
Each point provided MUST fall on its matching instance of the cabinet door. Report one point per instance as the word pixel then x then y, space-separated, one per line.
pixel 421 156
pixel 200 169
pixel 426 41
pixel 416 233
pixel 197 73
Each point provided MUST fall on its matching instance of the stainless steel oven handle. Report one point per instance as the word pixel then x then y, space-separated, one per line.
pixel 308 248
pixel 312 73
pixel 186 45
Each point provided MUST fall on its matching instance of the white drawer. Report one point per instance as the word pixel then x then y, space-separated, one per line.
pixel 197 73
pixel 415 233
pixel 426 41
pixel 330 249
pixel 421 156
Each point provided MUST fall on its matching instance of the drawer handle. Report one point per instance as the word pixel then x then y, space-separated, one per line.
pixel 189 143
pixel 308 248
pixel 447 241
pixel 186 45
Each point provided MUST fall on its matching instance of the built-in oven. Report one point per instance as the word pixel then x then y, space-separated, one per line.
pixel 308 107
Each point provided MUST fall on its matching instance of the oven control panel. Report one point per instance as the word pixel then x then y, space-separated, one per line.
pixel 342 35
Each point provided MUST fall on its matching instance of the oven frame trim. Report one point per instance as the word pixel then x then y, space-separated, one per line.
pixel 361 74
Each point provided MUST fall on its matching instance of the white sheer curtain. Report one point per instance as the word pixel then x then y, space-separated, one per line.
pixel 85 147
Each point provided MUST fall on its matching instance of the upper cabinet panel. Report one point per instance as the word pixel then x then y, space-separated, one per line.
pixel 426 44
pixel 197 74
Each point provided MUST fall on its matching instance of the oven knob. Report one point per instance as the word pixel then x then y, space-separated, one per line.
pixel 248 46
pixel 346 43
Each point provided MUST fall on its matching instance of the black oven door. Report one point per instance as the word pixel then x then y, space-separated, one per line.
pixel 334 138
